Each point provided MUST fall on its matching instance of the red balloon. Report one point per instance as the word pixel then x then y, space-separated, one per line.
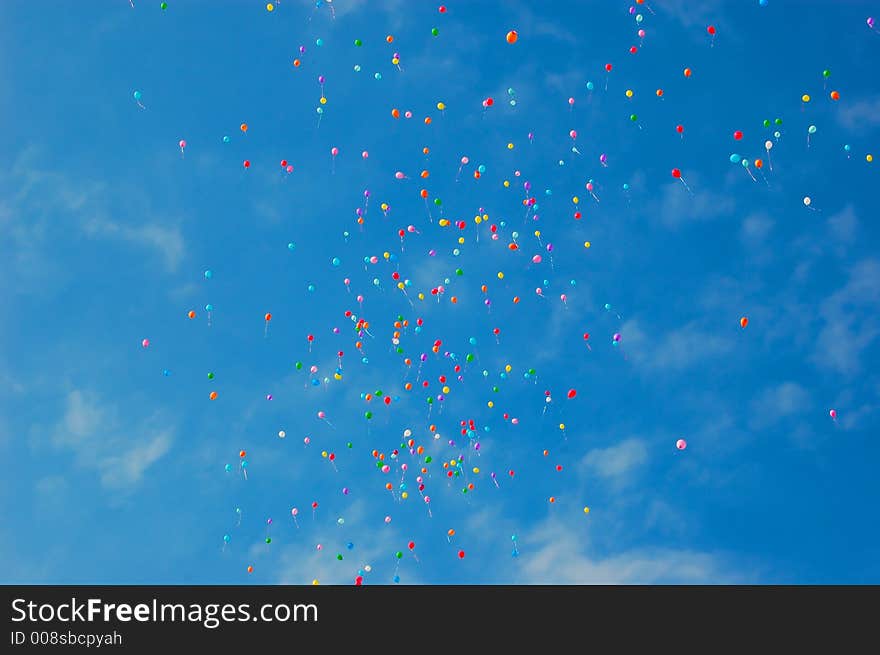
pixel 608 67
pixel 711 30
pixel 679 128
pixel 572 393
pixel 489 102
pixel 461 554
pixel 247 163
pixel 633 50
pixel 283 163
pixel 737 135
pixel 586 335
pixel 676 173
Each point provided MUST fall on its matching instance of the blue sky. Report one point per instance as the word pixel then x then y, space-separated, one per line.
pixel 115 471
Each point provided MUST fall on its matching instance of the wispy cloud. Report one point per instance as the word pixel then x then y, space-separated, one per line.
pixel 99 440
pixel 554 554
pixel 860 115
pixel 777 403
pixel 677 207
pixel 674 351
pixel 851 321
pixel 616 464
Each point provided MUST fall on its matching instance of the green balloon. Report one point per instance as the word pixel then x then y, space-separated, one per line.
pixel 339 556
pixel 778 121
pixel 378 393
pixel 435 31
pixel 399 350
pixel 398 554
pixel 163 5
pixel 210 376
pixel 495 389
pixel 826 73
pixel 348 444
pixel 358 42
pixel 430 400
pixel 268 540
pixel 531 371
pixel 368 415
pixel 633 118
pixel 299 366
pixel 458 271
pixel 470 357
pixel 766 122
pixel 428 459
pixel 438 202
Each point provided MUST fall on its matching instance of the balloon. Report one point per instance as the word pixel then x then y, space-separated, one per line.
pixel 744 321
pixel 711 30
pixel 737 135
pixel 681 444
pixel 676 173
pixel 833 414
pixel 512 36
pixel 145 343
pixel 572 393
pixel 807 201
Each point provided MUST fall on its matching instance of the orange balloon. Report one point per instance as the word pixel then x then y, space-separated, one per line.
pixel 268 317
pixel 835 95
pixel 659 93
pixel 759 163
pixel 512 36
pixel 423 193
pixel 426 150
pixel 389 38
pixel 425 173
pixel 213 395
pixel 191 314
pixel 687 72
pixel 250 569
pixel 296 62
pixel 244 127
pixel 552 499
pixel 427 120
pixel 515 300
pixel 743 321
pixel 450 532
pixel 242 454
pixel 395 112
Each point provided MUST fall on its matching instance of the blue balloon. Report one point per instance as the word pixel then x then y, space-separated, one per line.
pixel 335 261
pixel 209 274
pixel 226 538
pixel 473 341
pixel 735 158
pixel 137 95
pixel 590 86
pixel 319 42
pixel 311 288
pixel 291 246
pixel 209 307
pixel 763 3
pixel 396 579
pixel 225 139
pixel 481 168
pixel 228 468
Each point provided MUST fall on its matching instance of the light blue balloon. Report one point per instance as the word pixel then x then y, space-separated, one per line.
pixel 812 129
pixel 357 68
pixel 335 261
pixel 763 3
pixel 226 538
pixel 481 168
pixel 320 110
pixel 209 274
pixel 846 147
pixel 548 192
pixel 291 246
pixel 735 158
pixel 209 307
pixel 319 42
pixel 510 91
pixel 513 103
pixel 378 76
pixel 228 468
pixel 590 86
pixel 137 95
pixel 625 186
pixel 225 139
pixel 311 288
pixel 473 341
pixel 607 307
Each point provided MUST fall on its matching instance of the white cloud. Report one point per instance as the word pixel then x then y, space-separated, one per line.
pixel 843 225
pixel 554 554
pixel 100 441
pixel 677 207
pixel 167 241
pixel 616 463
pixel 850 319
pixel 673 351
pixel 779 402
pixel 860 115
pixel 755 229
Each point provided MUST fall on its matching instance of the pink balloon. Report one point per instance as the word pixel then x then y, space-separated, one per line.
pixel 536 259
pixel 571 101
pixel 294 511
pixel 563 297
pixel 334 151
pixel 145 343
pixel 321 414
pixel 833 413
pixel 573 134
pixel 408 114
pixel 681 444
pixel 399 175
pixel 365 154
pixel 289 168
pixel 387 519
pixel 182 144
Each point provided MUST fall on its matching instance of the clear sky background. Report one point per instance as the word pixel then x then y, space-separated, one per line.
pixel 115 471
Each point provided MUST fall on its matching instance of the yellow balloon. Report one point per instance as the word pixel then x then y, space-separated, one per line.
pixel 443 222
pixel 586 510
pixel 324 453
pixel 507 183
pixel 869 158
pixel 400 285
pixel 629 93
pixel 445 389
pixel 478 219
pixel 337 376
pixel 538 233
pixel 490 404
pixel 460 240
pixel 315 582
pixel 476 470
pixel 386 255
pixel 421 296
pixel 404 495
pixel 441 106
pixel 323 100
pixel 805 97
pixel 575 200
pixel 587 244
pixel 510 146
pixel 500 275
pixel 508 368
pixel 562 426
pixel 270 7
